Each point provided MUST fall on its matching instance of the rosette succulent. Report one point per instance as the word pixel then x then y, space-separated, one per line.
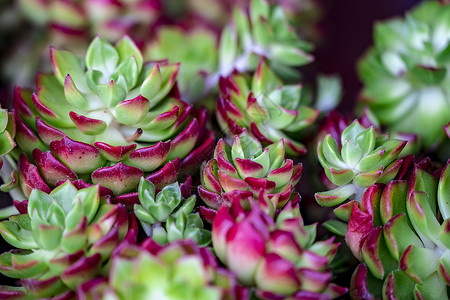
pixel 355 162
pixel 167 216
pixel 279 258
pixel 180 270
pixel 400 233
pixel 266 107
pixel 65 239
pixel 406 73
pixel 108 120
pixel 247 170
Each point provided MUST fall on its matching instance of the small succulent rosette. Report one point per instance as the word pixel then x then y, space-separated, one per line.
pixel 266 108
pixel 280 258
pixel 69 19
pixel 178 271
pixel 7 132
pixel 167 216
pixel 246 171
pixel 359 161
pixel 406 72
pixel 263 32
pixel 65 239
pixel 400 233
pixel 108 120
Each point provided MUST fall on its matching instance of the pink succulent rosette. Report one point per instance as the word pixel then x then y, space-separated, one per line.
pixel 108 121
pixel 279 258
pixel 247 170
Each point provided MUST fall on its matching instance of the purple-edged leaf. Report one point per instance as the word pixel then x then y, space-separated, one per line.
pixel 78 156
pixel 43 288
pixel 87 125
pixel 418 262
pixel 277 275
pixel 421 216
pixel 130 112
pixel 149 158
pixel 83 270
pixel 444 267
pixel 230 183
pixel 359 226
pixel 359 287
pixel 114 153
pixel 398 286
pixel 336 196
pixel 119 178
pixel 211 199
pixel 73 95
pixel 444 234
pixel 344 211
pixel 443 192
pixel 30 178
pixel 282 175
pixel 209 177
pixel 368 178
pixel 393 200
pixel 48 133
pixel 167 175
pixel 52 169
pixel 398 235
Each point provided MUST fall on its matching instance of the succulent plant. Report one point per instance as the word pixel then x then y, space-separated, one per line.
pixel 167 216
pixel 355 162
pixel 400 233
pixel 266 107
pixel 65 239
pixel 247 170
pixel 6 133
pixel 179 270
pixel 405 74
pixel 279 258
pixel 109 121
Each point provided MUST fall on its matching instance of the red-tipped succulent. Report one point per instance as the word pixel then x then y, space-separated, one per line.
pixel 247 170
pixel 279 258
pixel 108 121
pixel 400 232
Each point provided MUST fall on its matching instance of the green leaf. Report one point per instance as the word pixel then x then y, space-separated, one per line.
pixel 336 227
pixel 39 203
pixel 351 132
pixel 443 192
pixel 146 192
pixel 127 49
pixel 152 84
pixel 111 93
pixel 102 56
pixel 90 199
pixel 227 51
pixel 64 194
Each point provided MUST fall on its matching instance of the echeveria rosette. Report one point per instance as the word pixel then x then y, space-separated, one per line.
pixel 279 258
pixel 65 239
pixel 180 270
pixel 109 120
pixel 247 170
pixel 400 233
pixel 166 216
pixel 406 73
pixel 7 132
pixel 265 107
pixel 358 162
pixel 263 32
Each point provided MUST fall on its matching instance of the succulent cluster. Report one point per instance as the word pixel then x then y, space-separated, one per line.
pixel 63 239
pixel 400 234
pixel 118 192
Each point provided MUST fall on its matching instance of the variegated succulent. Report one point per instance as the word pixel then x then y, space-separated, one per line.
pixel 266 107
pixel 64 239
pixel 180 270
pixel 167 216
pixel 400 232
pixel 247 170
pixel 357 162
pixel 279 258
pixel 406 73
pixel 108 120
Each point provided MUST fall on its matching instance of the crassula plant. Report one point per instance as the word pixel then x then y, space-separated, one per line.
pixel 405 74
pixel 63 239
pixel 266 107
pixel 166 216
pixel 108 119
pixel 400 233
pixel 357 162
pixel 247 170
pixel 280 258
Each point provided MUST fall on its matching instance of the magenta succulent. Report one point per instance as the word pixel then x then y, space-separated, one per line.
pixel 279 258
pixel 248 170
